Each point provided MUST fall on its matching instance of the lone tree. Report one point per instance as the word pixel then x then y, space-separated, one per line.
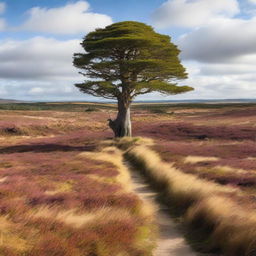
pixel 127 59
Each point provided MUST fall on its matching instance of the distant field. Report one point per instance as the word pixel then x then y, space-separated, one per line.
pixel 75 107
pixel 59 194
pixel 83 106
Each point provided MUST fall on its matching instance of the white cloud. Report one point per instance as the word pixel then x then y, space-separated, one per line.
pixel 223 40
pixel 39 69
pixel 73 18
pixel 216 81
pixel 252 1
pixel 191 13
pixel 36 91
pixel 228 69
pixel 213 81
pixel 219 51
pixel 38 58
pixel 39 90
pixel 222 58
pixel 46 88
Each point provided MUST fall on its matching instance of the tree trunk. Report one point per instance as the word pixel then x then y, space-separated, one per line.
pixel 121 126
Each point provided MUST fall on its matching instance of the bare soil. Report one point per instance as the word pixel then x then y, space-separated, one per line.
pixel 171 240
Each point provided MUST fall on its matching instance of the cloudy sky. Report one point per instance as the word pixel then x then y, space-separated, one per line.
pixel 38 39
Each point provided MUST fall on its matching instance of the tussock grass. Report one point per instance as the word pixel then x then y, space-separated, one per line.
pixel 222 170
pixel 179 185
pixel 209 210
pixel 244 179
pixel 10 237
pixel 75 219
pixel 127 142
pixel 228 226
pixel 114 156
pixel 60 187
pixel 146 234
pixel 64 195
pixel 198 159
pixel 3 179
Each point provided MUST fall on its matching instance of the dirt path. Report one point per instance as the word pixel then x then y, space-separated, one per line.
pixel 171 241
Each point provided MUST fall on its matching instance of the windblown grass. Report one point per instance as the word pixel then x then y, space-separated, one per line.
pixel 198 159
pixel 219 217
pixel 64 195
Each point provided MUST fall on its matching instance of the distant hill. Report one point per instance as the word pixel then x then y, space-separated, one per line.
pixel 206 101
pixel 6 101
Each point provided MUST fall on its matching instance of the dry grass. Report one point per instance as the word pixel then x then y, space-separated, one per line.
pixel 177 181
pixel 198 159
pixel 45 123
pixel 70 199
pixel 63 194
pixel 60 187
pixel 75 219
pixel 211 211
pixel 9 236
pixel 115 157
pixel 229 226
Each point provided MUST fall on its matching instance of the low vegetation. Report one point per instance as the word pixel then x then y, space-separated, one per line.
pixel 63 194
pixel 207 177
pixel 65 191
pixel 220 218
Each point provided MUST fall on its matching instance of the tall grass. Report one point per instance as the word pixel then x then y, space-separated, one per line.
pixel 63 196
pixel 210 211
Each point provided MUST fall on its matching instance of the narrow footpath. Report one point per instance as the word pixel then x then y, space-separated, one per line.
pixel 171 241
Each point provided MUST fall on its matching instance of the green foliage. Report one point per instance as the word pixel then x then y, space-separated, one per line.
pixel 127 59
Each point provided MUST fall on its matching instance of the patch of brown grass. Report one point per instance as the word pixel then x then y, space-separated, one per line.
pixel 198 159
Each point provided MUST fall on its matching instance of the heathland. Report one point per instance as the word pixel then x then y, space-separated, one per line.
pixel 65 190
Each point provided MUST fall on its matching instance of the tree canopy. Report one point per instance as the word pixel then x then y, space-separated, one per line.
pixel 127 59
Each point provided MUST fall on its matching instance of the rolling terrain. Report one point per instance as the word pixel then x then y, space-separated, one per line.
pixel 65 189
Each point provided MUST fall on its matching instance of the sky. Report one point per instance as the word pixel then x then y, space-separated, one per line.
pixel 38 38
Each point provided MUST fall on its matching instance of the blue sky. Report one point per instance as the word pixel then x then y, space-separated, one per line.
pixel 16 12
pixel 118 10
pixel 38 39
